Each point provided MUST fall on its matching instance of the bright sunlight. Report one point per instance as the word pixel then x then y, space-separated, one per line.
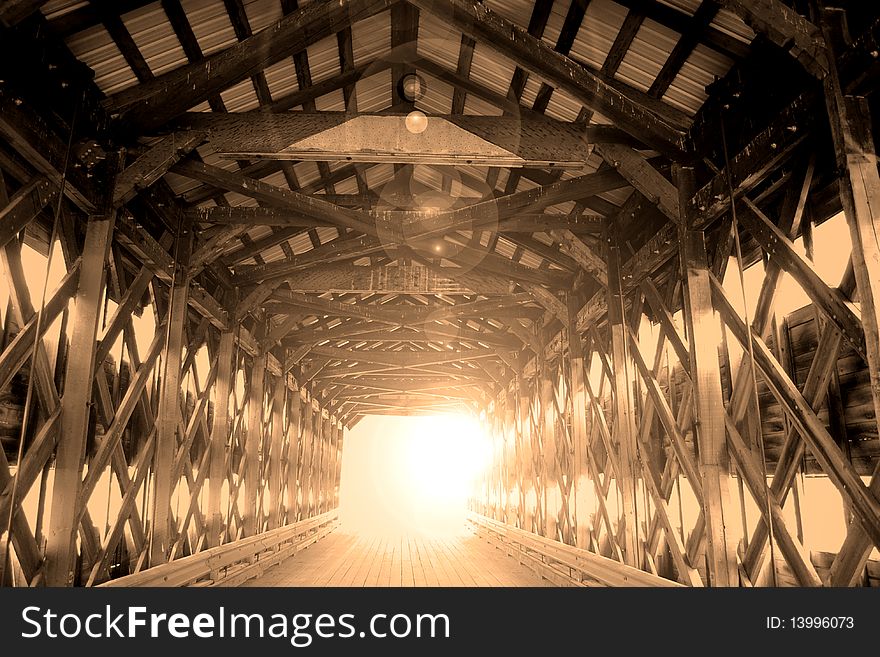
pixel 411 475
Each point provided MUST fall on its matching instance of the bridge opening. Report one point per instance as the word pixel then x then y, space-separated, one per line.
pixel 412 475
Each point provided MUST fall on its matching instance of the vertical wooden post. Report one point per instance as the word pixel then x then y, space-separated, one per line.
pixel 317 456
pixel 323 441
pixel 624 413
pixel 703 333
pixel 527 480
pixel 275 447
pixel 334 463
pixel 252 515
pixel 340 435
pixel 169 420
pixel 550 473
pixel 859 185
pixel 293 449
pixel 306 451
pixel 70 453
pixel 510 462
pixel 220 437
pixel 580 437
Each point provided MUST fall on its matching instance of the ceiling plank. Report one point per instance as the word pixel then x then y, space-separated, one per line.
pixel 153 103
pixel 484 25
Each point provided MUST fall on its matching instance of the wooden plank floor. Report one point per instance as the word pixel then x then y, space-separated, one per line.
pixel 346 559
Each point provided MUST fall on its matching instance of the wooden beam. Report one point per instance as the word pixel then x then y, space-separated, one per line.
pixel 276 445
pixel 397 279
pixel 169 418
pixel 624 413
pixel 153 164
pixel 484 25
pixel 582 253
pixel 45 150
pixel 707 396
pixel 219 437
pixel 13 12
pixel 151 104
pixel 294 410
pixel 859 188
pixel 24 206
pixel 253 443
pixel 829 300
pixel 402 358
pixel 786 28
pixel 386 137
pixel 862 501
pixel 645 178
pixel 70 452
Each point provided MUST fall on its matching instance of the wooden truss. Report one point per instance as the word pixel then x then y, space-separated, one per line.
pixel 636 410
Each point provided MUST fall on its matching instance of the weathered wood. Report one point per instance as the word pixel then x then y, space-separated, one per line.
pixel 253 444
pixel 219 436
pixel 152 103
pixel 386 137
pixel 707 397
pixel 25 204
pixel 582 253
pixel 276 446
pixel 70 452
pixel 294 445
pixel 645 178
pixel 624 416
pixel 786 28
pixel 840 471
pixel 534 55
pixel 152 165
pixel 827 299
pixel 169 418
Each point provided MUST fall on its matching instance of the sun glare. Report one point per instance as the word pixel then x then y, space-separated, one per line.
pixel 411 475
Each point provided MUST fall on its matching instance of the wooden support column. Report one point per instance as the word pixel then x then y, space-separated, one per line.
pixel 219 437
pixel 624 413
pixel 580 435
pixel 293 443
pixel 169 422
pixel 332 456
pixel 703 331
pixel 510 461
pixel 322 463
pixel 549 473
pixel 70 453
pixel 859 185
pixel 307 449
pixel 275 447
pixel 340 435
pixel 526 461
pixel 252 445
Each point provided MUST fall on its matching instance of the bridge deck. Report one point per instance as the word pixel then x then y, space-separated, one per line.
pixel 347 559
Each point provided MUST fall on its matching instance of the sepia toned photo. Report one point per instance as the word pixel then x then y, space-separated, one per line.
pixel 437 293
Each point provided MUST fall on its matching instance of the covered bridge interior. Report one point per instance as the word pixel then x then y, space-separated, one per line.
pixel 637 241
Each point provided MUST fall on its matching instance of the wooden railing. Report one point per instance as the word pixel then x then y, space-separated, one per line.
pixel 559 563
pixel 237 562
